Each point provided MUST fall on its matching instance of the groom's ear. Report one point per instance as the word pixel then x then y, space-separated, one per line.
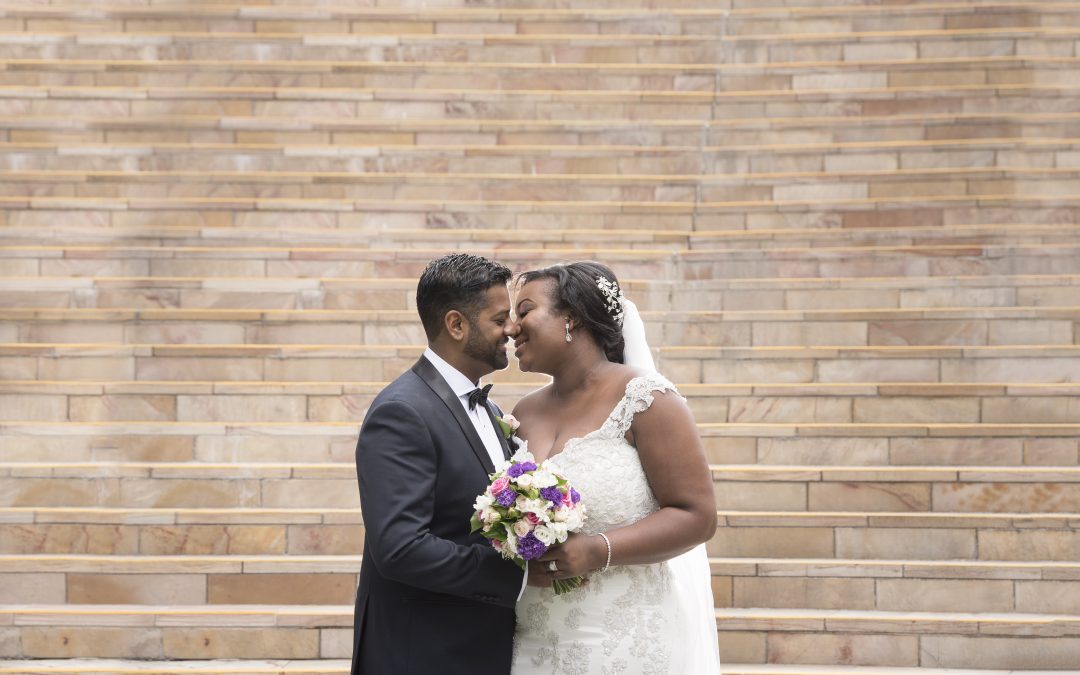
pixel 455 324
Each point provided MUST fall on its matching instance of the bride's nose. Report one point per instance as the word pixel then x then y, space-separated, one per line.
pixel 511 328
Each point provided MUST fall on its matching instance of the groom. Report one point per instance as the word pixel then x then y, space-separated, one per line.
pixel 434 598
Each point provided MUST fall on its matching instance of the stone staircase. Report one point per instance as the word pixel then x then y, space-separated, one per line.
pixel 853 230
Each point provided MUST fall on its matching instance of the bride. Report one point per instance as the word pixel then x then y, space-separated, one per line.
pixel 627 442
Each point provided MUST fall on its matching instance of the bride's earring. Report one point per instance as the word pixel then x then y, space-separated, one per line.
pixel 569 338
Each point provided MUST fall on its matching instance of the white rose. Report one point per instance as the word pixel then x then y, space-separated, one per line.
pixel 520 503
pixel 574 521
pixel 524 480
pixel 561 514
pixel 543 479
pixel 511 543
pixel 491 516
pixel 522 528
pixel 523 455
pixel 544 534
pixel 483 503
pixel 559 530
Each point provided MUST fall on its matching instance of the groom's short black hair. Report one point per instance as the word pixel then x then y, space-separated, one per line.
pixel 456 281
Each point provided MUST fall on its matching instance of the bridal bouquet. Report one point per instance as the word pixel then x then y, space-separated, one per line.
pixel 527 509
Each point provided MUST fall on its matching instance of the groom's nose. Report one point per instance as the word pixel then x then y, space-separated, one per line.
pixel 511 328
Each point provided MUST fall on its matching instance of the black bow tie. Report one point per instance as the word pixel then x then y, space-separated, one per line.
pixel 478 396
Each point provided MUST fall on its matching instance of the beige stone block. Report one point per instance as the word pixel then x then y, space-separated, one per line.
pixel 787 409
pixel 1047 597
pixel 202 369
pixel 269 449
pixel 10 647
pixel 721 450
pixel 325 370
pixel 24 407
pixel 773 542
pixel 955 451
pixel 325 539
pixel 742 647
pixel 340 494
pixel 31 588
pixel 827 451
pixel 242 408
pixel 87 368
pixel 212 540
pixel 879 370
pixel 125 408
pixel 1051 451
pixel 1029 545
pixel 898 333
pixel 137 589
pixel 831 333
pixel 1007 497
pixel 944 595
pixel 193 493
pixel 945 651
pixel 905 543
pixel 881 51
pixel 718 371
pixel 916 410
pixel 59 492
pixel 285 589
pixel 1031 332
pixel 733 496
pixel 336 643
pixel 1031 409
pixel 853 650
pixel 44 642
pixel 241 643
pixel 795 593
pixel 869 497
pixel 69 539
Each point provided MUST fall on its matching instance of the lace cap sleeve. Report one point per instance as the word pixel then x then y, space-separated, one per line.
pixel 638 398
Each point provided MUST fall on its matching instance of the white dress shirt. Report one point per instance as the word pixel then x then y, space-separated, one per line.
pixel 463 386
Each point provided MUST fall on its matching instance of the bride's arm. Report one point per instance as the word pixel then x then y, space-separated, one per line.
pixel 674 461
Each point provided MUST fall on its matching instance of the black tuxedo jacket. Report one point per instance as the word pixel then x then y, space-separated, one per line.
pixel 433 598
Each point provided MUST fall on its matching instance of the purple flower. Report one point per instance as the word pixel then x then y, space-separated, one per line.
pixel 506 498
pixel 575 496
pixel 517 469
pixel 530 547
pixel 552 494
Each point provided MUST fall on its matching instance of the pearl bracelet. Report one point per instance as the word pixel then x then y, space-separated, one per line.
pixel 608 542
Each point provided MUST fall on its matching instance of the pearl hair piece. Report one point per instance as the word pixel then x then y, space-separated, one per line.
pixel 613 297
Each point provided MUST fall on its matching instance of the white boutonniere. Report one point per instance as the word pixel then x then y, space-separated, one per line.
pixel 508 424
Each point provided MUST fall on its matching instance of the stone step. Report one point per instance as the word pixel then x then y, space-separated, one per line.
pixel 27 297
pixel 232 401
pixel 297 236
pixel 665 263
pixel 884 585
pixel 689 364
pixel 549 214
pixel 255 312
pixel 542 159
pixel 324 315
pixel 995 539
pixel 732 20
pixel 406 44
pixel 341 667
pixel 433 125
pixel 731 443
pixel 969 489
pixel 747 635
pixel 86 666
pixel 993 182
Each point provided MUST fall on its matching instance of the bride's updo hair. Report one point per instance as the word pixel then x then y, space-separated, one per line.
pixel 577 293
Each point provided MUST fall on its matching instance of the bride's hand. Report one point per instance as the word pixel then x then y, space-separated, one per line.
pixel 578 556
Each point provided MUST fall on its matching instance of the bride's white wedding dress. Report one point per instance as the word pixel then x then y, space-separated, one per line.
pixel 629 619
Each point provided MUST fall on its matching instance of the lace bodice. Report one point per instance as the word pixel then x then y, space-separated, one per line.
pixel 606 469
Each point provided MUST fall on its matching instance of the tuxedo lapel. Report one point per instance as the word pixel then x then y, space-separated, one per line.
pixel 498 432
pixel 431 376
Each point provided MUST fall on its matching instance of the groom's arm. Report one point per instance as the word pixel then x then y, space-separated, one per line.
pixel 396 466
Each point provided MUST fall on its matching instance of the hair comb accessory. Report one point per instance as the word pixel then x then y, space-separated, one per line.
pixel 613 297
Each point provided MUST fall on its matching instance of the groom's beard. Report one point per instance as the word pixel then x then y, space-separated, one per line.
pixel 484 352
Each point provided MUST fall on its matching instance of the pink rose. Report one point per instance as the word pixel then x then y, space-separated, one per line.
pixel 499 485
pixel 497 544
pixel 532 518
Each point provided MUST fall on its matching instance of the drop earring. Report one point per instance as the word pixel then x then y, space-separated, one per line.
pixel 569 338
